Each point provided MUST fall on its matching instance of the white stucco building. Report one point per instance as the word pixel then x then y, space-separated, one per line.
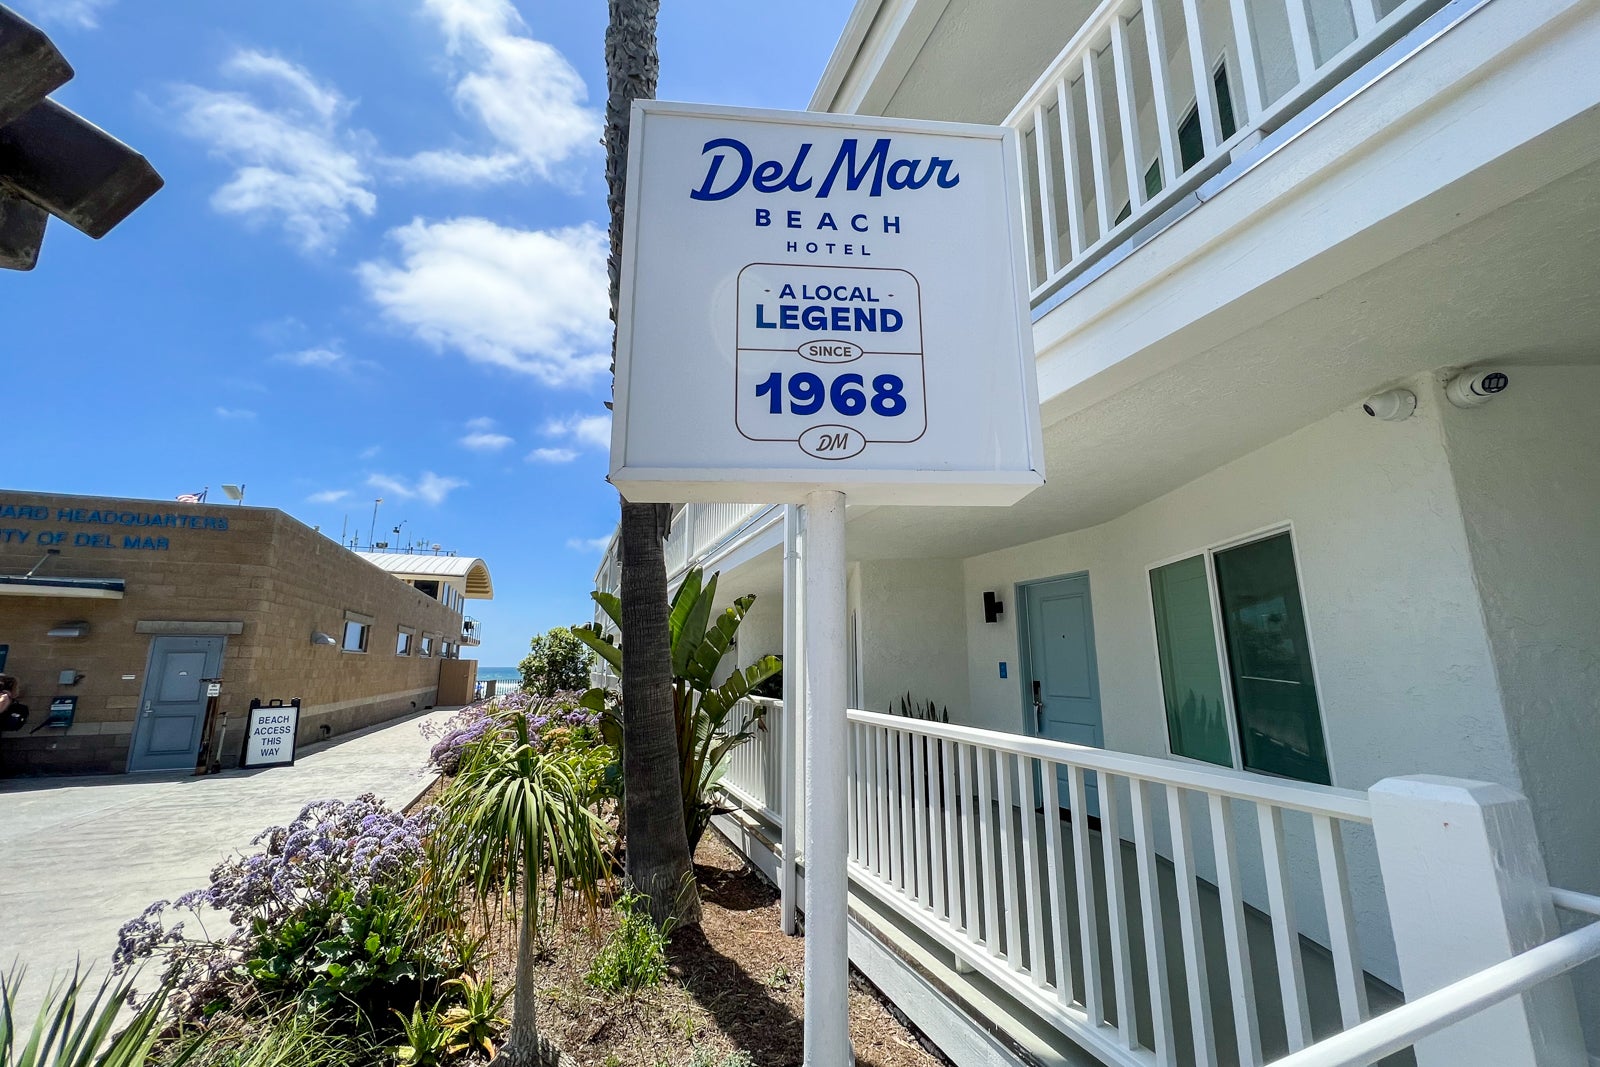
pixel 1234 567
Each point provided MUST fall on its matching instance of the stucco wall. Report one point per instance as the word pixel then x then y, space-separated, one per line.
pixel 911 615
pixel 1404 672
pixel 1527 468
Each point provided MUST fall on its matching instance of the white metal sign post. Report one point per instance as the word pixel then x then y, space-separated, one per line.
pixel 814 306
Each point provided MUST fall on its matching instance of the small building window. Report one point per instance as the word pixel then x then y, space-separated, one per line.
pixel 405 643
pixel 355 635
pixel 1258 676
pixel 427 645
pixel 431 588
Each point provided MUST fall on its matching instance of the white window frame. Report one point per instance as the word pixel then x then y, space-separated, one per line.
pixel 430 642
pixel 363 621
pixel 1218 637
pixel 411 641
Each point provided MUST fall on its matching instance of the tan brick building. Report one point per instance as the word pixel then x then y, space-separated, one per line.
pixel 127 609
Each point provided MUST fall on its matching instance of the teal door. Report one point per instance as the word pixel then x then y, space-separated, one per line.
pixel 1061 686
pixel 173 707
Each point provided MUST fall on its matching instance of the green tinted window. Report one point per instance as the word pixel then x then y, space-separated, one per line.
pixel 1191 681
pixel 1269 661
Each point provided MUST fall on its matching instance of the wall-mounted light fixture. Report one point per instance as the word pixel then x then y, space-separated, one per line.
pixel 320 638
pixel 992 607
pixel 69 629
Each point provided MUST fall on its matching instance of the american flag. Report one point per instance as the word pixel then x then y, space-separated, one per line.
pixel 193 498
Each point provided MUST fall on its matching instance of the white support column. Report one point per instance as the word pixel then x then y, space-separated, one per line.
pixel 827 970
pixel 791 787
pixel 1467 889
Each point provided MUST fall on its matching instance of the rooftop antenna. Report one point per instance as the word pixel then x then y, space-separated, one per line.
pixel 235 492
pixel 46 558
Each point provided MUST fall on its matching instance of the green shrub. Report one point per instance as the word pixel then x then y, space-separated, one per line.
pixel 634 956
pixel 706 1058
pixel 557 661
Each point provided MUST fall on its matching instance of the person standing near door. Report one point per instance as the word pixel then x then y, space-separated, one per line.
pixel 13 713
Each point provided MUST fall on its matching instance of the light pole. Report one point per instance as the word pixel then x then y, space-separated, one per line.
pixel 372 530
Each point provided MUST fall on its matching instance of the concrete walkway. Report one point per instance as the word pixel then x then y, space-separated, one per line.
pixel 81 856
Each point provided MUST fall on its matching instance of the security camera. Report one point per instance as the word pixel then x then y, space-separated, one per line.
pixel 1473 388
pixel 1393 406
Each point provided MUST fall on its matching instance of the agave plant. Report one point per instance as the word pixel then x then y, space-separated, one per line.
pixel 700 705
pixel 74 1029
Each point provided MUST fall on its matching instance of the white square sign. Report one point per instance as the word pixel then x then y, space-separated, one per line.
pixel 822 302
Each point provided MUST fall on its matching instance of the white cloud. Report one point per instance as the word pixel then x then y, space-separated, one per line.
pixel 327 358
pixel 485 442
pixel 82 14
pixel 552 455
pixel 532 301
pixel 591 430
pixel 234 413
pixel 482 422
pixel 328 496
pixel 522 91
pixel 293 163
pixel 430 488
pixel 589 544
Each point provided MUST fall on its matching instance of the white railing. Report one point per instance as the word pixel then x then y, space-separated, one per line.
pixel 753 773
pixel 1432 1012
pixel 962 832
pixel 698 528
pixel 1136 111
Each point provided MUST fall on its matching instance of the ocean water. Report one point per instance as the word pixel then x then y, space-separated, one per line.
pixel 499 674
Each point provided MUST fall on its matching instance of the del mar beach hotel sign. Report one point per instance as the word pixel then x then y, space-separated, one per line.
pixel 816 301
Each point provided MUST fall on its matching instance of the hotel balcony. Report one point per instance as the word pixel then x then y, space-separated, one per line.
pixel 471 631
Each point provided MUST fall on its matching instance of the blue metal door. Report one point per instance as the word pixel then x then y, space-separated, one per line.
pixel 1061 686
pixel 173 707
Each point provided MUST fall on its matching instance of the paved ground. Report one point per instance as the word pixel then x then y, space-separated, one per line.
pixel 81 856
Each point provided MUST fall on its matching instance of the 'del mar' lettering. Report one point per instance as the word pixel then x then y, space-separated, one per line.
pixel 874 170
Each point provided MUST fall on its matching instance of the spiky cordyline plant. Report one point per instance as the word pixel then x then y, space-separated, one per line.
pixel 71 1033
pixel 513 817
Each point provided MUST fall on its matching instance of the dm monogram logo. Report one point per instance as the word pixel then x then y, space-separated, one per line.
pixel 850 167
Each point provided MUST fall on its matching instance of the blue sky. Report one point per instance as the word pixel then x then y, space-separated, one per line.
pixel 377 268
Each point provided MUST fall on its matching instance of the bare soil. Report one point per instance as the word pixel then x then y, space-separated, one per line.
pixel 735 983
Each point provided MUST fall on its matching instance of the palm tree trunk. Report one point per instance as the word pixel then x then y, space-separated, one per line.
pixel 659 863
pixel 522 1048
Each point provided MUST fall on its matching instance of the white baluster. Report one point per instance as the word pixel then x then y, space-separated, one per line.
pixel 970 920
pixel 1285 931
pixel 1047 189
pixel 1099 158
pixel 1235 937
pixel 919 812
pixel 1200 68
pixel 1128 109
pixel 1201 1023
pixel 1056 882
pixel 1116 911
pixel 1083 869
pixel 939 826
pixel 1155 942
pixel 1155 39
pixel 895 872
pixel 1305 60
pixel 1008 860
pixel 904 858
pixel 1249 64
pixel 982 760
pixel 1034 913
pixel 1069 166
pixel 1347 971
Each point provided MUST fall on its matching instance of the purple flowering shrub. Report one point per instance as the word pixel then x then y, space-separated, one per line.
pixel 557 721
pixel 325 914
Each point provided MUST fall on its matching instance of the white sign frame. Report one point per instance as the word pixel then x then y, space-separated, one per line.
pixel 255 744
pixel 946 481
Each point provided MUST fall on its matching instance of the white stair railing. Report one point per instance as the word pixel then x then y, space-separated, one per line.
pixel 963 832
pixel 1138 109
